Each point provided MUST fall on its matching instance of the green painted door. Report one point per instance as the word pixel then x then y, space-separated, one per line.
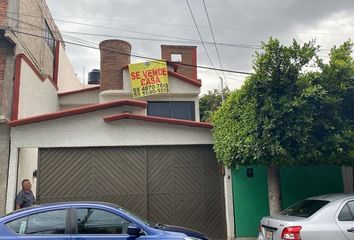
pixel 250 200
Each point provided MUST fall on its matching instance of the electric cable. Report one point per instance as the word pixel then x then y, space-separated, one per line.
pixel 132 55
pixel 212 34
pixel 201 38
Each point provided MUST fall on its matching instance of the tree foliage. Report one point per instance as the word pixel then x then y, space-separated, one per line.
pixel 288 114
pixel 210 102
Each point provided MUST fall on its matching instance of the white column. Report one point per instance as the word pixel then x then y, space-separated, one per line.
pixel 229 205
pixel 12 180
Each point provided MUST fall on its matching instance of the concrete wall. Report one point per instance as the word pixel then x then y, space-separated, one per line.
pixel 67 80
pixel 4 162
pixel 7 62
pixel 79 99
pixel 36 96
pixel 28 161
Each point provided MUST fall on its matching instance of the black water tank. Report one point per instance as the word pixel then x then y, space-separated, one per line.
pixel 94 77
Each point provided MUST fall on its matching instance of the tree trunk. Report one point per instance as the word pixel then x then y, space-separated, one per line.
pixel 274 190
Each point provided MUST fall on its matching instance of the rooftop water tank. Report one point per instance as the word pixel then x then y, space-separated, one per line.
pixel 94 76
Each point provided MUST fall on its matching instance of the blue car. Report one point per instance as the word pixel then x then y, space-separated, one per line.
pixel 85 221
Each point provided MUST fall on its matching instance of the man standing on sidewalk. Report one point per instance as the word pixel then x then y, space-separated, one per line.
pixel 25 197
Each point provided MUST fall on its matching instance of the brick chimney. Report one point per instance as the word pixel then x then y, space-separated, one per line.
pixel 182 54
pixel 3 11
pixel 115 55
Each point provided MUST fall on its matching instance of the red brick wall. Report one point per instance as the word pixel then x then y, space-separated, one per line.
pixel 112 63
pixel 3 12
pixel 189 56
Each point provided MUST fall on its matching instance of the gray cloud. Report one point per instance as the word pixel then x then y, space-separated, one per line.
pixel 247 22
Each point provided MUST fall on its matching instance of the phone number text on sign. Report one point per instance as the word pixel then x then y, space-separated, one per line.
pixel 148 78
pixel 150 90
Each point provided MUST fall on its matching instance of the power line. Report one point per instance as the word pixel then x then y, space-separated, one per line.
pixel 132 55
pixel 181 40
pixel 200 36
pixel 185 25
pixel 75 39
pixel 212 33
pixel 253 47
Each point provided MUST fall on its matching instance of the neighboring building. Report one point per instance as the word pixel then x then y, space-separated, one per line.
pixel 32 62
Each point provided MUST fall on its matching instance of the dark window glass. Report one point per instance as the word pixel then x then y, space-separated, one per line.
pixel 304 208
pixel 173 109
pixel 52 222
pixel 95 221
pixel 49 38
pixel 18 226
pixel 345 214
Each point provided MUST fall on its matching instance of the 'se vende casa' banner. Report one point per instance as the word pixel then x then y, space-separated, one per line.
pixel 148 78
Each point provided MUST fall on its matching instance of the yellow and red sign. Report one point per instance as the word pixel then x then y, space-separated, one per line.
pixel 148 78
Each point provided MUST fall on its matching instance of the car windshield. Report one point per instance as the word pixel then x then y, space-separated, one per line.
pixel 305 208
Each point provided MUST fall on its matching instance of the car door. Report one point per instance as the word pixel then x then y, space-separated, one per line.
pixel 345 219
pixel 51 225
pixel 99 224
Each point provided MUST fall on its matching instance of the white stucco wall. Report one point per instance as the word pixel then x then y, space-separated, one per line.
pixel 79 99
pixel 89 129
pixel 35 96
pixel 67 80
pixel 27 163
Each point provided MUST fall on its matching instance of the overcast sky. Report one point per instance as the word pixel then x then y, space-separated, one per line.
pixel 239 27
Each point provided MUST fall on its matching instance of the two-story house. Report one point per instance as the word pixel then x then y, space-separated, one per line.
pixel 150 155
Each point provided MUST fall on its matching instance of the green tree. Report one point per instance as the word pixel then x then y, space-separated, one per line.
pixel 286 115
pixel 210 102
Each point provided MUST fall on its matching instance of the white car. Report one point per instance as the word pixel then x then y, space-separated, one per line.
pixel 327 217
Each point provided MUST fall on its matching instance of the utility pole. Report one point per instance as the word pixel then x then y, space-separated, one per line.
pixel 222 89
pixel 229 204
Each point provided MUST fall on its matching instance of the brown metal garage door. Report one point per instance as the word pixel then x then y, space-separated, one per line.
pixel 179 185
